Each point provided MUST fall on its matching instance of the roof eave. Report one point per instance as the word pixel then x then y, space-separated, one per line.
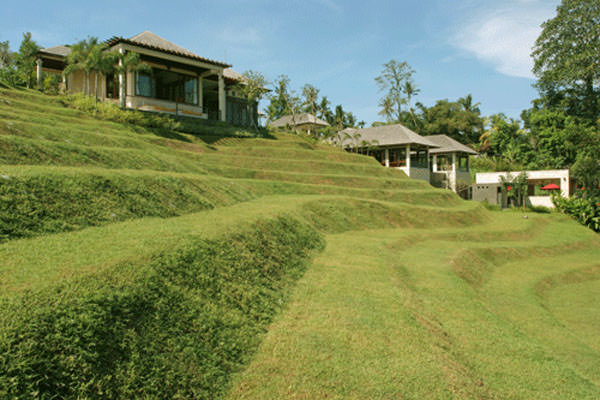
pixel 118 39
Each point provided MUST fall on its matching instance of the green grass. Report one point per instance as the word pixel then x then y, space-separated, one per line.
pixel 212 262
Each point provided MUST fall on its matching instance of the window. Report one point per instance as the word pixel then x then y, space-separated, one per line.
pixel 418 159
pixel 143 85
pixel 167 85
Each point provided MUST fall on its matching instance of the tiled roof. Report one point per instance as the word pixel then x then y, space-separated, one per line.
pixel 300 119
pixel 152 41
pixel 388 135
pixel 61 51
pixel 448 145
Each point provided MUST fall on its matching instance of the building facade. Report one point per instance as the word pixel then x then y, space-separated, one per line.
pixel 176 81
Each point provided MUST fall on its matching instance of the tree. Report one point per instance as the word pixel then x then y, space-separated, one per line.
pixel 253 89
pixel 25 60
pixel 452 118
pixel 311 96
pixel 587 172
pixel 394 76
pixel 278 101
pixel 81 58
pixel 411 90
pixel 566 52
pixel 125 62
pixel 324 110
pixel 6 55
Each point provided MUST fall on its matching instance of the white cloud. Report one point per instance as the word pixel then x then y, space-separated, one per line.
pixel 504 37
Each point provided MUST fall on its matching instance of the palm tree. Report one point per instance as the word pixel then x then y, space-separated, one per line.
pixel 126 62
pixel 387 108
pixel 82 58
pixel 411 90
pixel 311 95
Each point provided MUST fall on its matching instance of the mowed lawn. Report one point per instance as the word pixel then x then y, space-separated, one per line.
pixel 386 314
pixel 217 263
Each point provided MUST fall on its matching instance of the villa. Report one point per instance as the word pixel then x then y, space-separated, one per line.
pixel 305 122
pixel 180 82
pixel 439 159
pixel 540 186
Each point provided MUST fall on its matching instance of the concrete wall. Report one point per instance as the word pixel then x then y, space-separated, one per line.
pixel 544 201
pixel 486 192
pixel 419 173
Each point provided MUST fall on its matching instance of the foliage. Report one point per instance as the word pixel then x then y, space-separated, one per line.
pixel 586 171
pixel 279 99
pixel 177 327
pixel 395 79
pixel 515 188
pixel 566 52
pixel 25 59
pixel 6 56
pixel 585 210
pixel 111 112
pixel 253 88
pixel 310 96
pixel 461 120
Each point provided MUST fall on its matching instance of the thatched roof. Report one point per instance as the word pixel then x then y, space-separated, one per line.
pixel 387 135
pixel 299 119
pixel 152 41
pixel 448 145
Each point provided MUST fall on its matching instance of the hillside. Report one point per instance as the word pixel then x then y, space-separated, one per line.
pixel 140 263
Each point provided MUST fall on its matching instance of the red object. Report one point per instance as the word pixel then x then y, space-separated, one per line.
pixel 551 186
pixel 509 188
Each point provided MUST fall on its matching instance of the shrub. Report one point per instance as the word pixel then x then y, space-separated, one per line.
pixel 178 327
pixel 585 210
pixel 112 112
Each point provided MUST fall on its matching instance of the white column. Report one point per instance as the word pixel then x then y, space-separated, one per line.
pixel 200 94
pixel 453 177
pixel 222 104
pixel 387 158
pixel 453 163
pixel 122 92
pixel 408 157
pixel 39 72
pixel 434 163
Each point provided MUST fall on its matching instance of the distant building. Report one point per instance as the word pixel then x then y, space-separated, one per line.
pixel 439 159
pixel 488 186
pixel 181 82
pixel 304 122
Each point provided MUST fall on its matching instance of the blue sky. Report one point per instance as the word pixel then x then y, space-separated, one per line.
pixel 456 46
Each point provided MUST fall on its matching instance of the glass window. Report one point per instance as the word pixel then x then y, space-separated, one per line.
pixel 191 91
pixel 167 85
pixel 143 85
pixel 418 159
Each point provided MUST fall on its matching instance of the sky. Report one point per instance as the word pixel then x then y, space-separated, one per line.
pixel 456 47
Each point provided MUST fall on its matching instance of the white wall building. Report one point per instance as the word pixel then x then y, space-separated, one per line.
pixel 488 186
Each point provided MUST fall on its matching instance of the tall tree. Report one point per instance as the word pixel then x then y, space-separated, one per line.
pixel 310 96
pixel 324 110
pixel 25 60
pixel 392 81
pixel 6 55
pixel 253 89
pixel 566 53
pixel 278 101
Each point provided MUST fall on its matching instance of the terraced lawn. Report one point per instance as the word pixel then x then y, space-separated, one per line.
pixel 137 263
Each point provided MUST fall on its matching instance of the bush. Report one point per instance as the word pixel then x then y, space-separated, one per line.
pixel 112 112
pixel 178 327
pixel 585 210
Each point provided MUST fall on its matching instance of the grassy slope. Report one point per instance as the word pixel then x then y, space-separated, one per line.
pixel 417 294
